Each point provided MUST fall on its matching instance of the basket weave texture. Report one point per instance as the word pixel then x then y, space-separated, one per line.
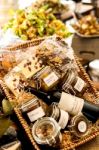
pixel 69 141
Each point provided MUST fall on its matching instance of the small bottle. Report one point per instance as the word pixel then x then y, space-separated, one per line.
pixel 69 103
pixel 46 132
pixel 79 126
pixel 32 110
pixel 73 83
pixel 58 114
pixel 47 78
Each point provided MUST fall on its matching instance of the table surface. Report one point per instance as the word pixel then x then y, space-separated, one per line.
pixel 91 145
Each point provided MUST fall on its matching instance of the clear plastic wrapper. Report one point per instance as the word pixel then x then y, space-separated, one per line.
pixel 10 59
pixel 18 77
pixel 47 63
pixel 57 54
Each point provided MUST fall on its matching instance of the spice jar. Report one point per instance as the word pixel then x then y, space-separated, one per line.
pixel 58 114
pixel 73 83
pixel 79 125
pixel 46 131
pixel 47 78
pixel 32 110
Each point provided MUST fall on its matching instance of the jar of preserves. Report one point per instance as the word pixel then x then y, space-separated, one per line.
pixel 32 110
pixel 79 125
pixel 73 83
pixel 47 78
pixel 46 132
pixel 61 116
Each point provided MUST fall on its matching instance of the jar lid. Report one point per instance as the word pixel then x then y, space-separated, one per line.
pixel 28 104
pixel 79 125
pixel 45 129
pixel 94 64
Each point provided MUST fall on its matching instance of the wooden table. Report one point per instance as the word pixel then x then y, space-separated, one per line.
pixel 86 48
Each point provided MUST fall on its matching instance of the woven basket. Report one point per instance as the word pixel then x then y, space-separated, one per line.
pixel 68 142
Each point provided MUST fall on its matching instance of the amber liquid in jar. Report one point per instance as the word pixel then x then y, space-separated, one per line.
pixel 73 83
pixel 47 78
pixel 79 126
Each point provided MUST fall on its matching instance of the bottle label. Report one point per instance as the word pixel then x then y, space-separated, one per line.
pixel 71 104
pixel 63 119
pixel 51 79
pixel 79 84
pixel 36 114
pixel 82 127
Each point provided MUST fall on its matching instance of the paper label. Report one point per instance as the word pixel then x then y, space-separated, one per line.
pixel 63 119
pixel 71 104
pixel 82 126
pixel 36 114
pixel 51 79
pixel 79 84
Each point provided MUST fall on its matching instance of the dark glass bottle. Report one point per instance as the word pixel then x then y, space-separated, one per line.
pixel 72 104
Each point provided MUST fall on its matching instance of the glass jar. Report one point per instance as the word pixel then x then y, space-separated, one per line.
pixel 58 114
pixel 79 125
pixel 32 110
pixel 73 83
pixel 47 78
pixel 46 131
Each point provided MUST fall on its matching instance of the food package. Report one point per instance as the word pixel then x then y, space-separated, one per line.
pixel 51 52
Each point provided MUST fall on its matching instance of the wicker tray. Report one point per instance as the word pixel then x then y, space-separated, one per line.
pixel 68 142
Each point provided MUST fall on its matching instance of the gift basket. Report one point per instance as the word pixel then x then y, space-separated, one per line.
pixel 52 96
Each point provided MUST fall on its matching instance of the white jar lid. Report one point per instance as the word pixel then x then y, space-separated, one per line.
pixel 94 64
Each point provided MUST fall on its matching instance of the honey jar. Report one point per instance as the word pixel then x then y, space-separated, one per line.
pixel 73 83
pixel 47 78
